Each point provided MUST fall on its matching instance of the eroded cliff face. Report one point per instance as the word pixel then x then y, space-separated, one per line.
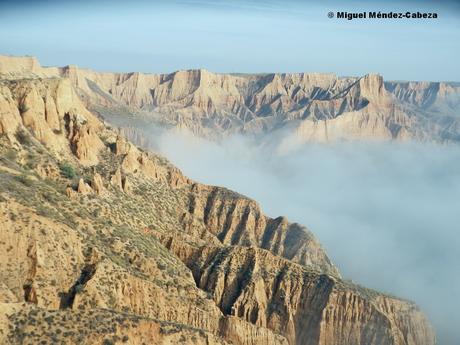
pixel 237 220
pixel 304 305
pixel 313 106
pixel 47 110
pixel 424 94
pixel 102 242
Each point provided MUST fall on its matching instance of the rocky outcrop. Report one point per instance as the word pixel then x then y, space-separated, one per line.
pixel 53 113
pixel 84 140
pixel 29 272
pixel 317 106
pixel 237 220
pixel 83 187
pixel 14 65
pixel 116 179
pixel 10 118
pixel 97 184
pixel 424 94
pixel 304 306
pixel 237 331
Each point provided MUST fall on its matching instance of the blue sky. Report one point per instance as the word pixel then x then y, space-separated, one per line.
pixel 235 36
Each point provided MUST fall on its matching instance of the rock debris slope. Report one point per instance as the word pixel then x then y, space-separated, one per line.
pixel 104 243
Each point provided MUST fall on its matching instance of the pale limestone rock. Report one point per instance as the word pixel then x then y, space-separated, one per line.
pixel 131 161
pixel 127 185
pixel 121 146
pixel 97 184
pixel 20 65
pixel 84 139
pixel 51 114
pixel 372 88
pixel 83 187
pixel 10 118
pixel 33 117
pixel 70 192
pixel 116 179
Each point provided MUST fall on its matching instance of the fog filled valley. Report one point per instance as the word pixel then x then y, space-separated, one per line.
pixel 386 213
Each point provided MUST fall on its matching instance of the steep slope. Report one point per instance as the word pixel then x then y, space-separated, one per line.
pixel 84 244
pixel 305 307
pixel 314 106
pixel 437 103
pixel 103 243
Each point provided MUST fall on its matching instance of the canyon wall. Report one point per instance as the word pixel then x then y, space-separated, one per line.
pixel 102 242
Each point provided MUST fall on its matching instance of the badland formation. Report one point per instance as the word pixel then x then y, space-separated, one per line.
pixel 103 242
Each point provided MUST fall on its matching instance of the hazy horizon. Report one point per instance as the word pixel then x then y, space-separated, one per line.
pixel 236 37
pixel 246 73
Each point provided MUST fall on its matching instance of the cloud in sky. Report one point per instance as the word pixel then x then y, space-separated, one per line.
pixel 386 213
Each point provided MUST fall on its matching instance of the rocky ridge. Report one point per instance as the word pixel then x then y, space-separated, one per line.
pixel 308 106
pixel 102 242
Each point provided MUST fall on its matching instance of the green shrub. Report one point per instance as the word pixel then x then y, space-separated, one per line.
pixel 79 288
pixel 23 137
pixel 24 180
pixel 11 154
pixel 22 108
pixel 32 161
pixel 67 170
